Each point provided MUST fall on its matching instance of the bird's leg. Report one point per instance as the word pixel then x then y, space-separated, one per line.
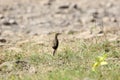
pixel 54 52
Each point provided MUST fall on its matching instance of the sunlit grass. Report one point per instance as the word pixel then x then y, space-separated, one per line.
pixel 73 61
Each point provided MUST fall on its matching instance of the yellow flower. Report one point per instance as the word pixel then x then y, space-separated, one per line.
pixel 100 61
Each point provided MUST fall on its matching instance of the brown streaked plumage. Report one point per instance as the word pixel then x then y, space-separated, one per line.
pixel 55 43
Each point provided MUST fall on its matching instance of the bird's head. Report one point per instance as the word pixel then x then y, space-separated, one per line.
pixel 57 34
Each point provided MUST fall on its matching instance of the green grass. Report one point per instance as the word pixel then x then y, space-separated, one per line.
pixel 73 61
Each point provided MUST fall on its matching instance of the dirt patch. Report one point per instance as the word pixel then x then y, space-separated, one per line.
pixel 34 17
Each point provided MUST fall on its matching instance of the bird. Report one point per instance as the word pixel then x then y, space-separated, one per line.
pixel 55 43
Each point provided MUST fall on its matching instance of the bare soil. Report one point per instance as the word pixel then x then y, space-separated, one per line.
pixel 23 18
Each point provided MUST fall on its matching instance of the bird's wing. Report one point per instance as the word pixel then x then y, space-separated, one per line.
pixel 54 43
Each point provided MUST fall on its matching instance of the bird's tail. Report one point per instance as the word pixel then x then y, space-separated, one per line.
pixel 54 52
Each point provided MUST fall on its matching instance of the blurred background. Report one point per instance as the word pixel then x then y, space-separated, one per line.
pixel 35 17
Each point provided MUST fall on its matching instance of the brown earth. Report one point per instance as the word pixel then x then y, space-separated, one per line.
pixel 20 19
